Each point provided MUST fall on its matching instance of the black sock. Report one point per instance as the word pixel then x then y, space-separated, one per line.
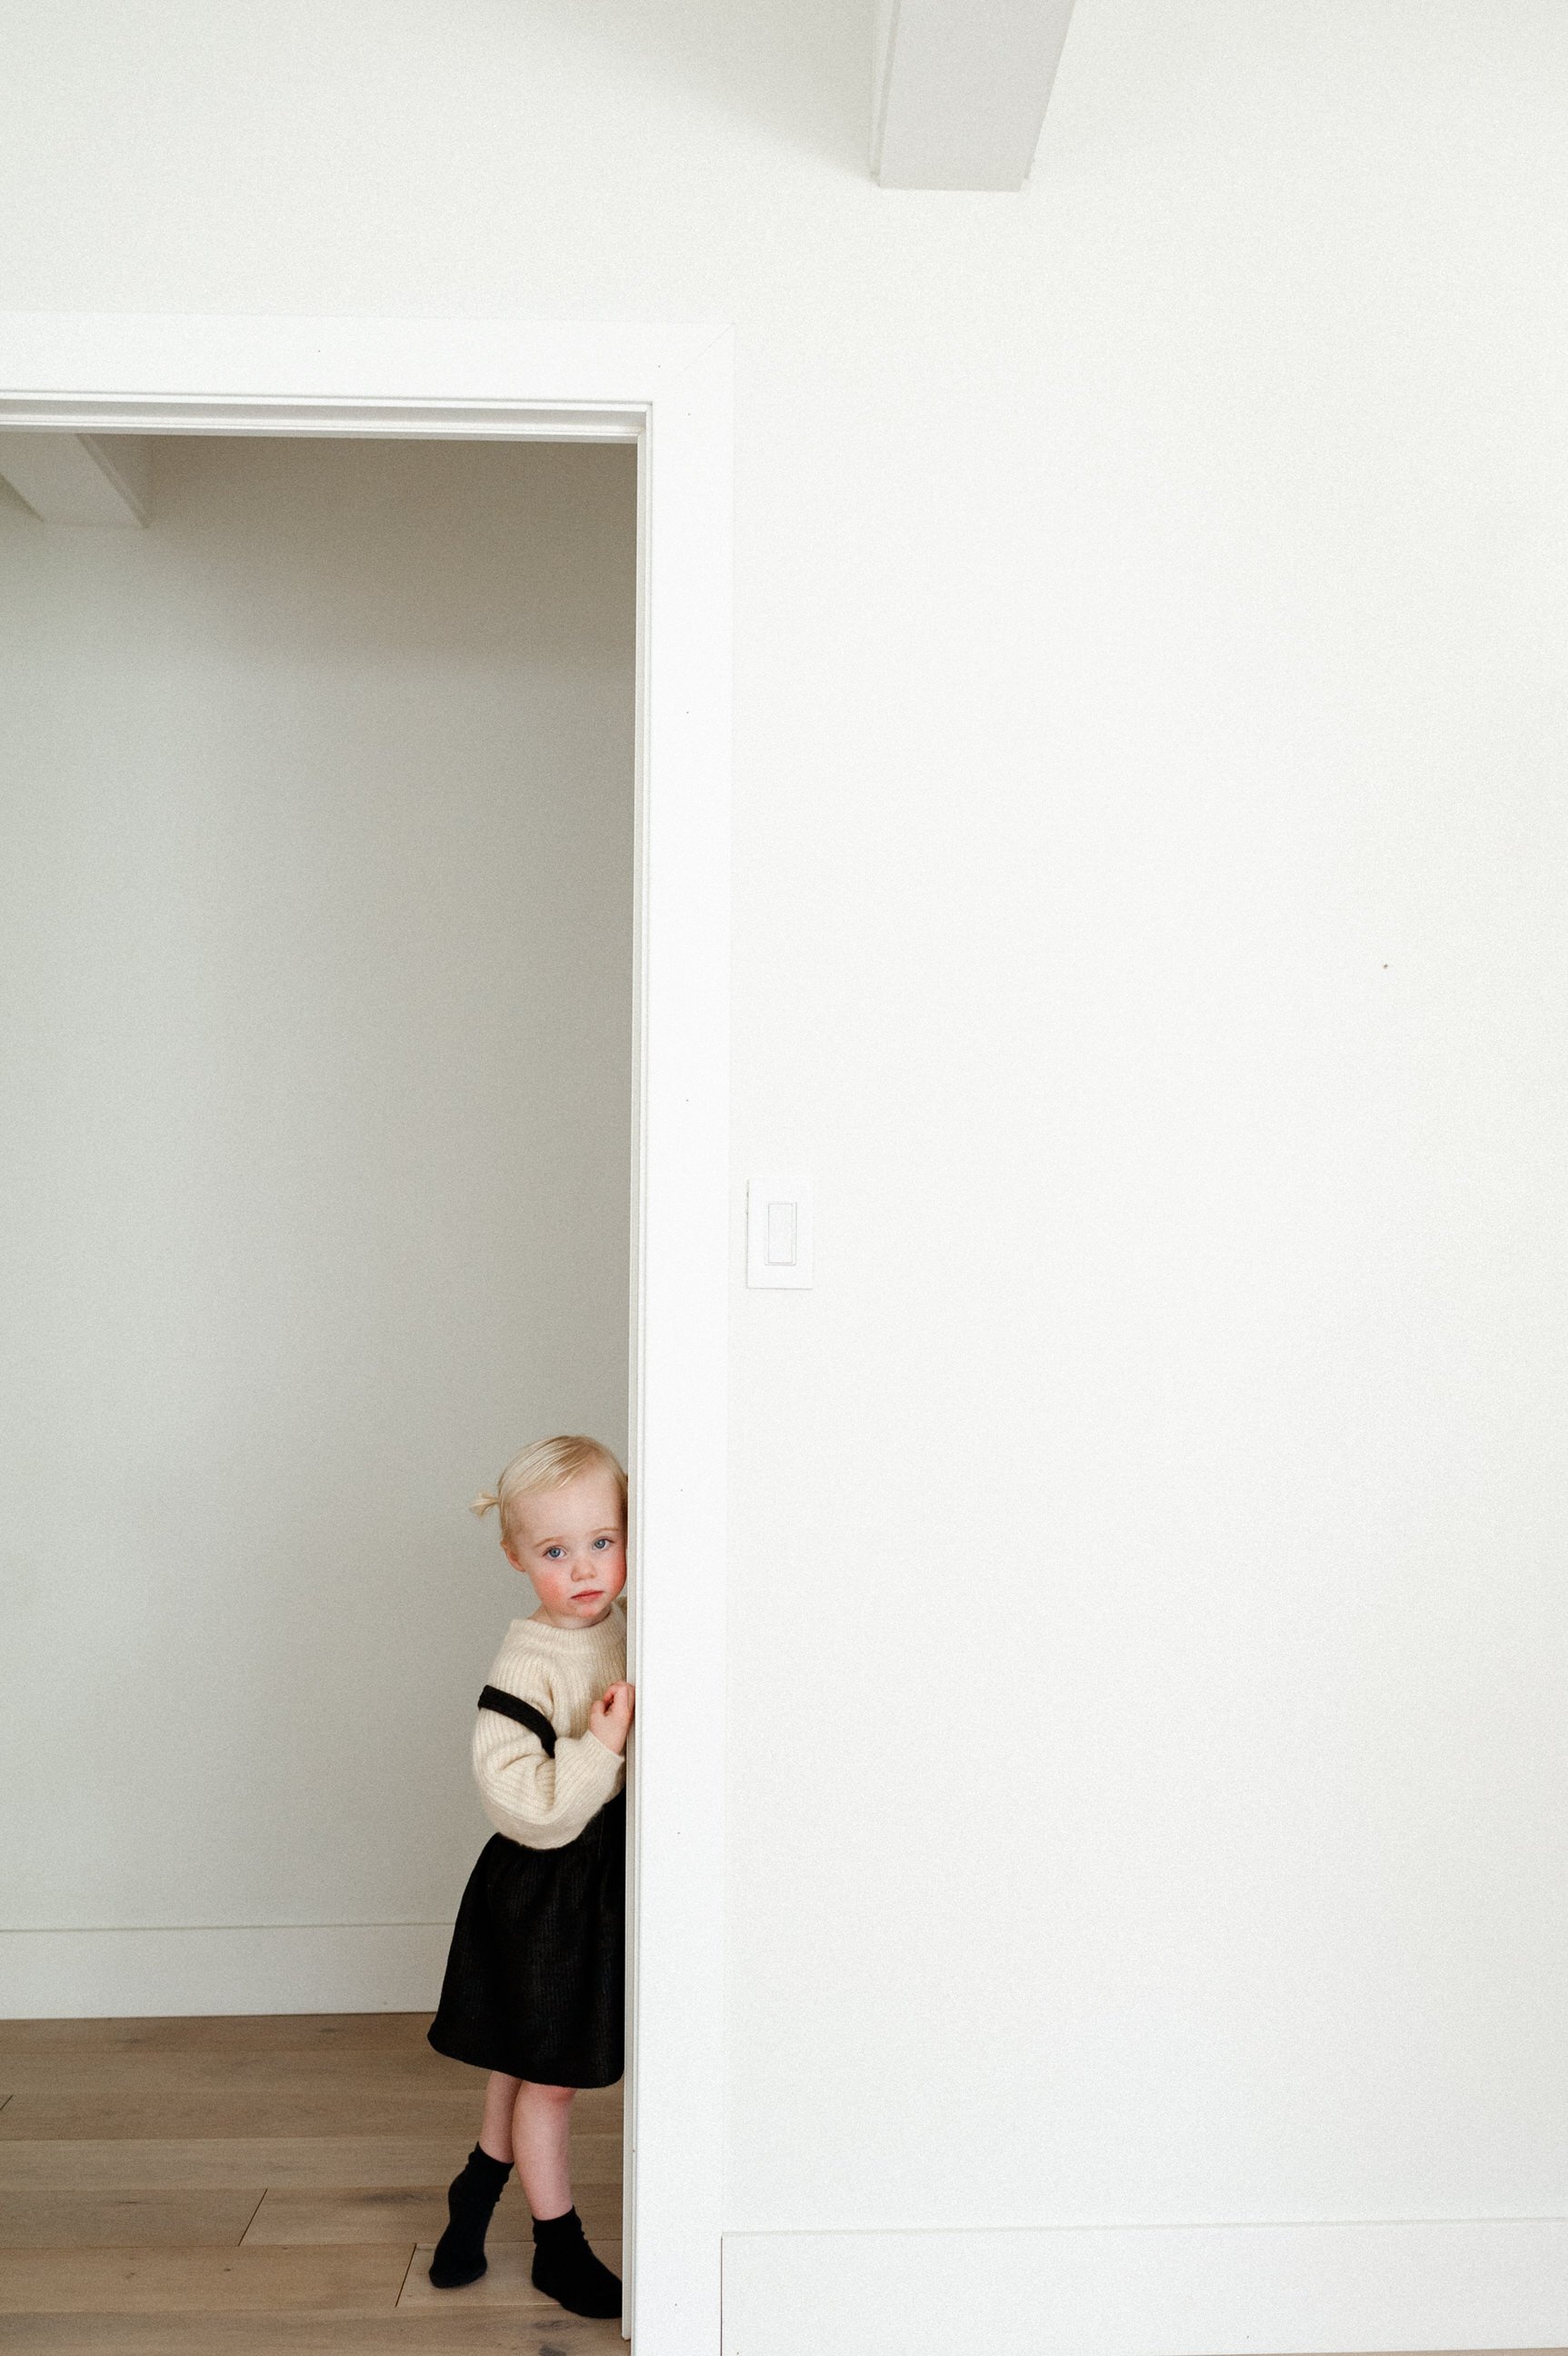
pixel 566 2269
pixel 460 2253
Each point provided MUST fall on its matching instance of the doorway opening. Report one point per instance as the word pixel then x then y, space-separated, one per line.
pixel 317 947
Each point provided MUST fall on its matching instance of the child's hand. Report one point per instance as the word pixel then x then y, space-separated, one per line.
pixel 610 1717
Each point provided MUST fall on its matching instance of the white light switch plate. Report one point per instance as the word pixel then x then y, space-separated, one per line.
pixel 778 1231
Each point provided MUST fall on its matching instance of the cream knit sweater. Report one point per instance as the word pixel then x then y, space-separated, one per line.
pixel 545 1803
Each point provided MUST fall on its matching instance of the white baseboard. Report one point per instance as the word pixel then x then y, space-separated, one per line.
pixel 1157 2290
pixel 283 1967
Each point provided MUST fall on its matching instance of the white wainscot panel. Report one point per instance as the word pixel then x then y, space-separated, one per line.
pixel 1186 2290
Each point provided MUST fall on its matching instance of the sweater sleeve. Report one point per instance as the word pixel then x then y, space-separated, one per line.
pixel 542 1802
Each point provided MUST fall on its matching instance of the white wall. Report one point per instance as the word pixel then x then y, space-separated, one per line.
pixel 1147 1615
pixel 315 926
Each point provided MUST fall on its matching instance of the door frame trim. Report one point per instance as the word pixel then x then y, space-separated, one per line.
pixel 668 390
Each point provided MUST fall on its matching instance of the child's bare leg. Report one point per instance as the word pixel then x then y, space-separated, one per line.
pixel 540 2144
pixel 495 2133
pixel 564 2267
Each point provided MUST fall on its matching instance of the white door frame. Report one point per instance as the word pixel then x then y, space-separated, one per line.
pixel 669 391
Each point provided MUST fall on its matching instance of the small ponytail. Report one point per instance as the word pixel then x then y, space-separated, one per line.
pixel 547 1464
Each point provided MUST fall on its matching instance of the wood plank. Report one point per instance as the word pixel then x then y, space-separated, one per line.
pixel 144 2281
pixel 57 2114
pixel 504 2285
pixel 406 2332
pixel 333 2073
pixel 412 2213
pixel 270 2032
pixel 417 2067
pixel 197 2164
pixel 73 2220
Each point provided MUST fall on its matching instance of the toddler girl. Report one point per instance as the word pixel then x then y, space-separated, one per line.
pixel 534 1990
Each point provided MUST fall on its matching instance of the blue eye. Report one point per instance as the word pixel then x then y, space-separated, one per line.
pixel 551 1551
pixel 599 1542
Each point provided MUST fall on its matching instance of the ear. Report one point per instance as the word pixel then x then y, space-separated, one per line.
pixel 510 1553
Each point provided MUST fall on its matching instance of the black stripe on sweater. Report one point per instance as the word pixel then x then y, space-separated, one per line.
pixel 525 1714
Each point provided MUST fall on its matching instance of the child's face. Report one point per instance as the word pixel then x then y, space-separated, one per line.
pixel 572 1543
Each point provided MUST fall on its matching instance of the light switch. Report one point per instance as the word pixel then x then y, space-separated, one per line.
pixel 778 1231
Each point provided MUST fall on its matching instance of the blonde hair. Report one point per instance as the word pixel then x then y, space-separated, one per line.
pixel 547 1464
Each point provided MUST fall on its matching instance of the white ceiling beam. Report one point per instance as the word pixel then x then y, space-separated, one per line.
pixel 90 478
pixel 960 90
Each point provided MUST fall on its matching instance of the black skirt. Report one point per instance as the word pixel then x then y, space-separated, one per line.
pixel 535 1982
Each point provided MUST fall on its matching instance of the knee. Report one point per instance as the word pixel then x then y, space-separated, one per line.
pixel 557 2096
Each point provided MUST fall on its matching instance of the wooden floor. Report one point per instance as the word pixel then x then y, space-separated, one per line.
pixel 265 2188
